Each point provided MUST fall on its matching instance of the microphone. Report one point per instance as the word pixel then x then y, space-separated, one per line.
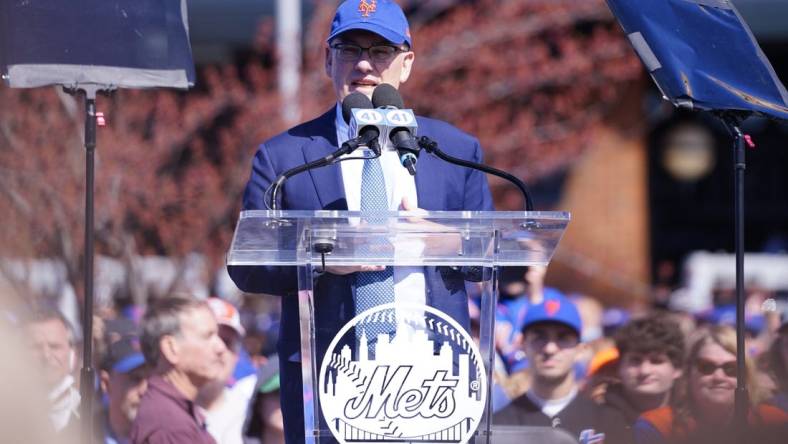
pixel 402 125
pixel 364 123
pixel 368 135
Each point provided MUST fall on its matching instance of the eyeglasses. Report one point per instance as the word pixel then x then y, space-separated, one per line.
pixel 350 52
pixel 539 339
pixel 706 368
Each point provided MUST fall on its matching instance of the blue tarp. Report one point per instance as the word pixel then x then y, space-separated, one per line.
pixel 129 43
pixel 702 55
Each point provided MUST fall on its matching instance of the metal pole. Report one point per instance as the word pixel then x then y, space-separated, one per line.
pixel 742 396
pixel 288 45
pixel 88 378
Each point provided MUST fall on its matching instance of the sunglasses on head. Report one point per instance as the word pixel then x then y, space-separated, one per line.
pixel 707 367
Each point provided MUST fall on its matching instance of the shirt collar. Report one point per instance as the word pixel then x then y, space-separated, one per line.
pixel 341 125
pixel 62 388
pixel 160 385
pixel 548 402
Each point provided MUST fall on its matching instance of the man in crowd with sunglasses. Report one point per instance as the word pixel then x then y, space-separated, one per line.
pixel 551 340
pixel 703 412
pixel 369 44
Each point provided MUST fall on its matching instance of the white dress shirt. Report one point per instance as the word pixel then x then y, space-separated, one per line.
pixel 409 285
pixel 64 407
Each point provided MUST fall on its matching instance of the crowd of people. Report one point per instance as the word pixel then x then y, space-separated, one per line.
pixel 181 372
pixel 655 377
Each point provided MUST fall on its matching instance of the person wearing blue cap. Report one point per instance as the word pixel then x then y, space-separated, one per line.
pixel 369 44
pixel 551 340
pixel 381 35
pixel 123 377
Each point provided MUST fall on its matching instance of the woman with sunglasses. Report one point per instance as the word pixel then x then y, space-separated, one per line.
pixel 778 365
pixel 702 409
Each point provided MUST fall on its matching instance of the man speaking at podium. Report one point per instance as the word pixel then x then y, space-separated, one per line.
pixel 369 44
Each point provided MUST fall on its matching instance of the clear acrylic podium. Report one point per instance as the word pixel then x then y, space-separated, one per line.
pixel 438 259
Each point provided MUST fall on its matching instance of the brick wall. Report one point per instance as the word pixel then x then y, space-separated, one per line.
pixel 605 251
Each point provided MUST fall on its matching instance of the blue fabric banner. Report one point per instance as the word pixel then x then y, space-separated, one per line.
pixel 702 55
pixel 125 43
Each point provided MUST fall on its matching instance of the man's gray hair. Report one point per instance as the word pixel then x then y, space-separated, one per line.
pixel 45 314
pixel 162 318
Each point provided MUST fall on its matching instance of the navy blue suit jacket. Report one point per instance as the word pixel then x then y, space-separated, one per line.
pixel 439 186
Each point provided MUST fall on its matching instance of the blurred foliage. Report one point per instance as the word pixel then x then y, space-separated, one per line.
pixel 532 79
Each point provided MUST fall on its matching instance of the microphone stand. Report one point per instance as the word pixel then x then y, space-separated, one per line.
pixel 325 246
pixel 431 147
pixel 732 121
pixel 475 274
pixel 87 381
pixel 346 148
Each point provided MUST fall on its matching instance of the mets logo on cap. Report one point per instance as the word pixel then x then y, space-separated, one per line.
pixel 367 7
pixel 554 309
pixel 552 306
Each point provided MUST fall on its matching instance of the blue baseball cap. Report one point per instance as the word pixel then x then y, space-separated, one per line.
pixel 726 315
pixel 123 356
pixel 382 17
pixel 615 318
pixel 557 309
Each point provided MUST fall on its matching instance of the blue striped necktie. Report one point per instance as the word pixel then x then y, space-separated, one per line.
pixel 376 287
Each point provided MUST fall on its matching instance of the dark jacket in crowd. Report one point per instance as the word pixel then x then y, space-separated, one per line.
pixel 618 415
pixel 582 418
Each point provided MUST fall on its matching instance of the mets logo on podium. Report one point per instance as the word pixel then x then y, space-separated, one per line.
pixel 404 373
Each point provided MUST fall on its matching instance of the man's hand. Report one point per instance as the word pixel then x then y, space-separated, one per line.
pixel 406 205
pixel 442 244
pixel 450 245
